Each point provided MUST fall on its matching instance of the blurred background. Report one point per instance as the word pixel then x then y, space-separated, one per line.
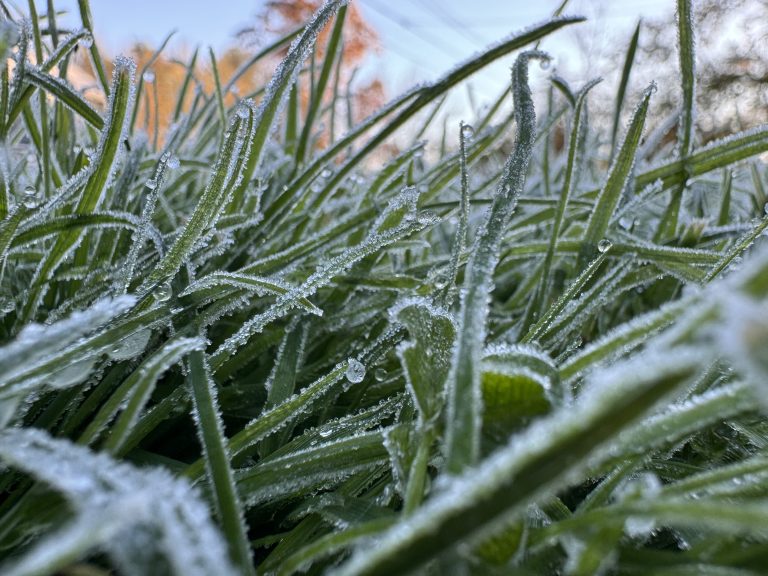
pixel 391 46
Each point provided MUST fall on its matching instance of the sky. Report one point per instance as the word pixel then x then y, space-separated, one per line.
pixel 421 39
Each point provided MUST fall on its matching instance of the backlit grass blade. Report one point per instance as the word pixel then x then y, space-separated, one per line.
pixel 65 94
pixel 463 385
pixel 570 181
pixel 98 63
pixel 331 51
pixel 687 55
pixel 629 60
pixel 420 97
pixel 618 177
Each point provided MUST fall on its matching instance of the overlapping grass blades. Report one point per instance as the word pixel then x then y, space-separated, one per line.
pixel 278 325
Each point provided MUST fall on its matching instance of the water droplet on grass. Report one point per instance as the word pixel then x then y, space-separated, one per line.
pixel 355 371
pixel 148 76
pixel 30 197
pixel 163 292
pixel 467 131
pixel 151 184
pixel 173 162
pixel 380 374
pixel 604 245
pixel 86 41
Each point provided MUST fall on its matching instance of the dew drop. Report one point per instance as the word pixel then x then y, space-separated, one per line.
pixel 86 41
pixel 380 374
pixel 604 245
pixel 325 432
pixel 30 197
pixel 242 112
pixel 131 346
pixel 151 184
pixel 467 131
pixel 545 63
pixel 72 374
pixel 173 162
pixel 326 173
pixel 355 371
pixel 148 76
pixel 163 292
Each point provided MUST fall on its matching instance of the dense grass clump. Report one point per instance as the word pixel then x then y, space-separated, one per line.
pixel 240 352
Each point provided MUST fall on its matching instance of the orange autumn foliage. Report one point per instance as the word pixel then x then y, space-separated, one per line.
pixel 159 97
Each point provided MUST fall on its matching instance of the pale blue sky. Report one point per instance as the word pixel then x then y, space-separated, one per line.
pixel 421 39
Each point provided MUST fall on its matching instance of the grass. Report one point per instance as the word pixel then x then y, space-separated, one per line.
pixel 240 352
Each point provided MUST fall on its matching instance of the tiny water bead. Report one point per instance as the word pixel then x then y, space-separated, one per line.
pixel 163 292
pixel 355 371
pixel 545 63
pixel 604 245
pixel 30 198
pixel 173 162
pixel 380 374
pixel 242 112
pixel 326 173
pixel 86 41
pixel 148 76
pixel 151 184
pixel 467 131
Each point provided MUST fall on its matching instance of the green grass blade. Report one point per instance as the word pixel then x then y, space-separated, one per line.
pixel 617 180
pixel 106 159
pixel 211 433
pixel 463 385
pixel 331 51
pixel 629 60
pixel 542 457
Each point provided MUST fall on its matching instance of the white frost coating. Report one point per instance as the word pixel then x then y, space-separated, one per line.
pixel 743 337
pixel 99 486
pixel 324 273
pixel 36 342
pixel 289 68
pixel 497 472
pixel 623 339
pixel 463 387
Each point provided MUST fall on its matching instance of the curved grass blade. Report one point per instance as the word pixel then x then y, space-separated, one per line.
pixel 105 160
pixel 212 202
pixel 463 383
pixel 61 90
pixel 424 96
